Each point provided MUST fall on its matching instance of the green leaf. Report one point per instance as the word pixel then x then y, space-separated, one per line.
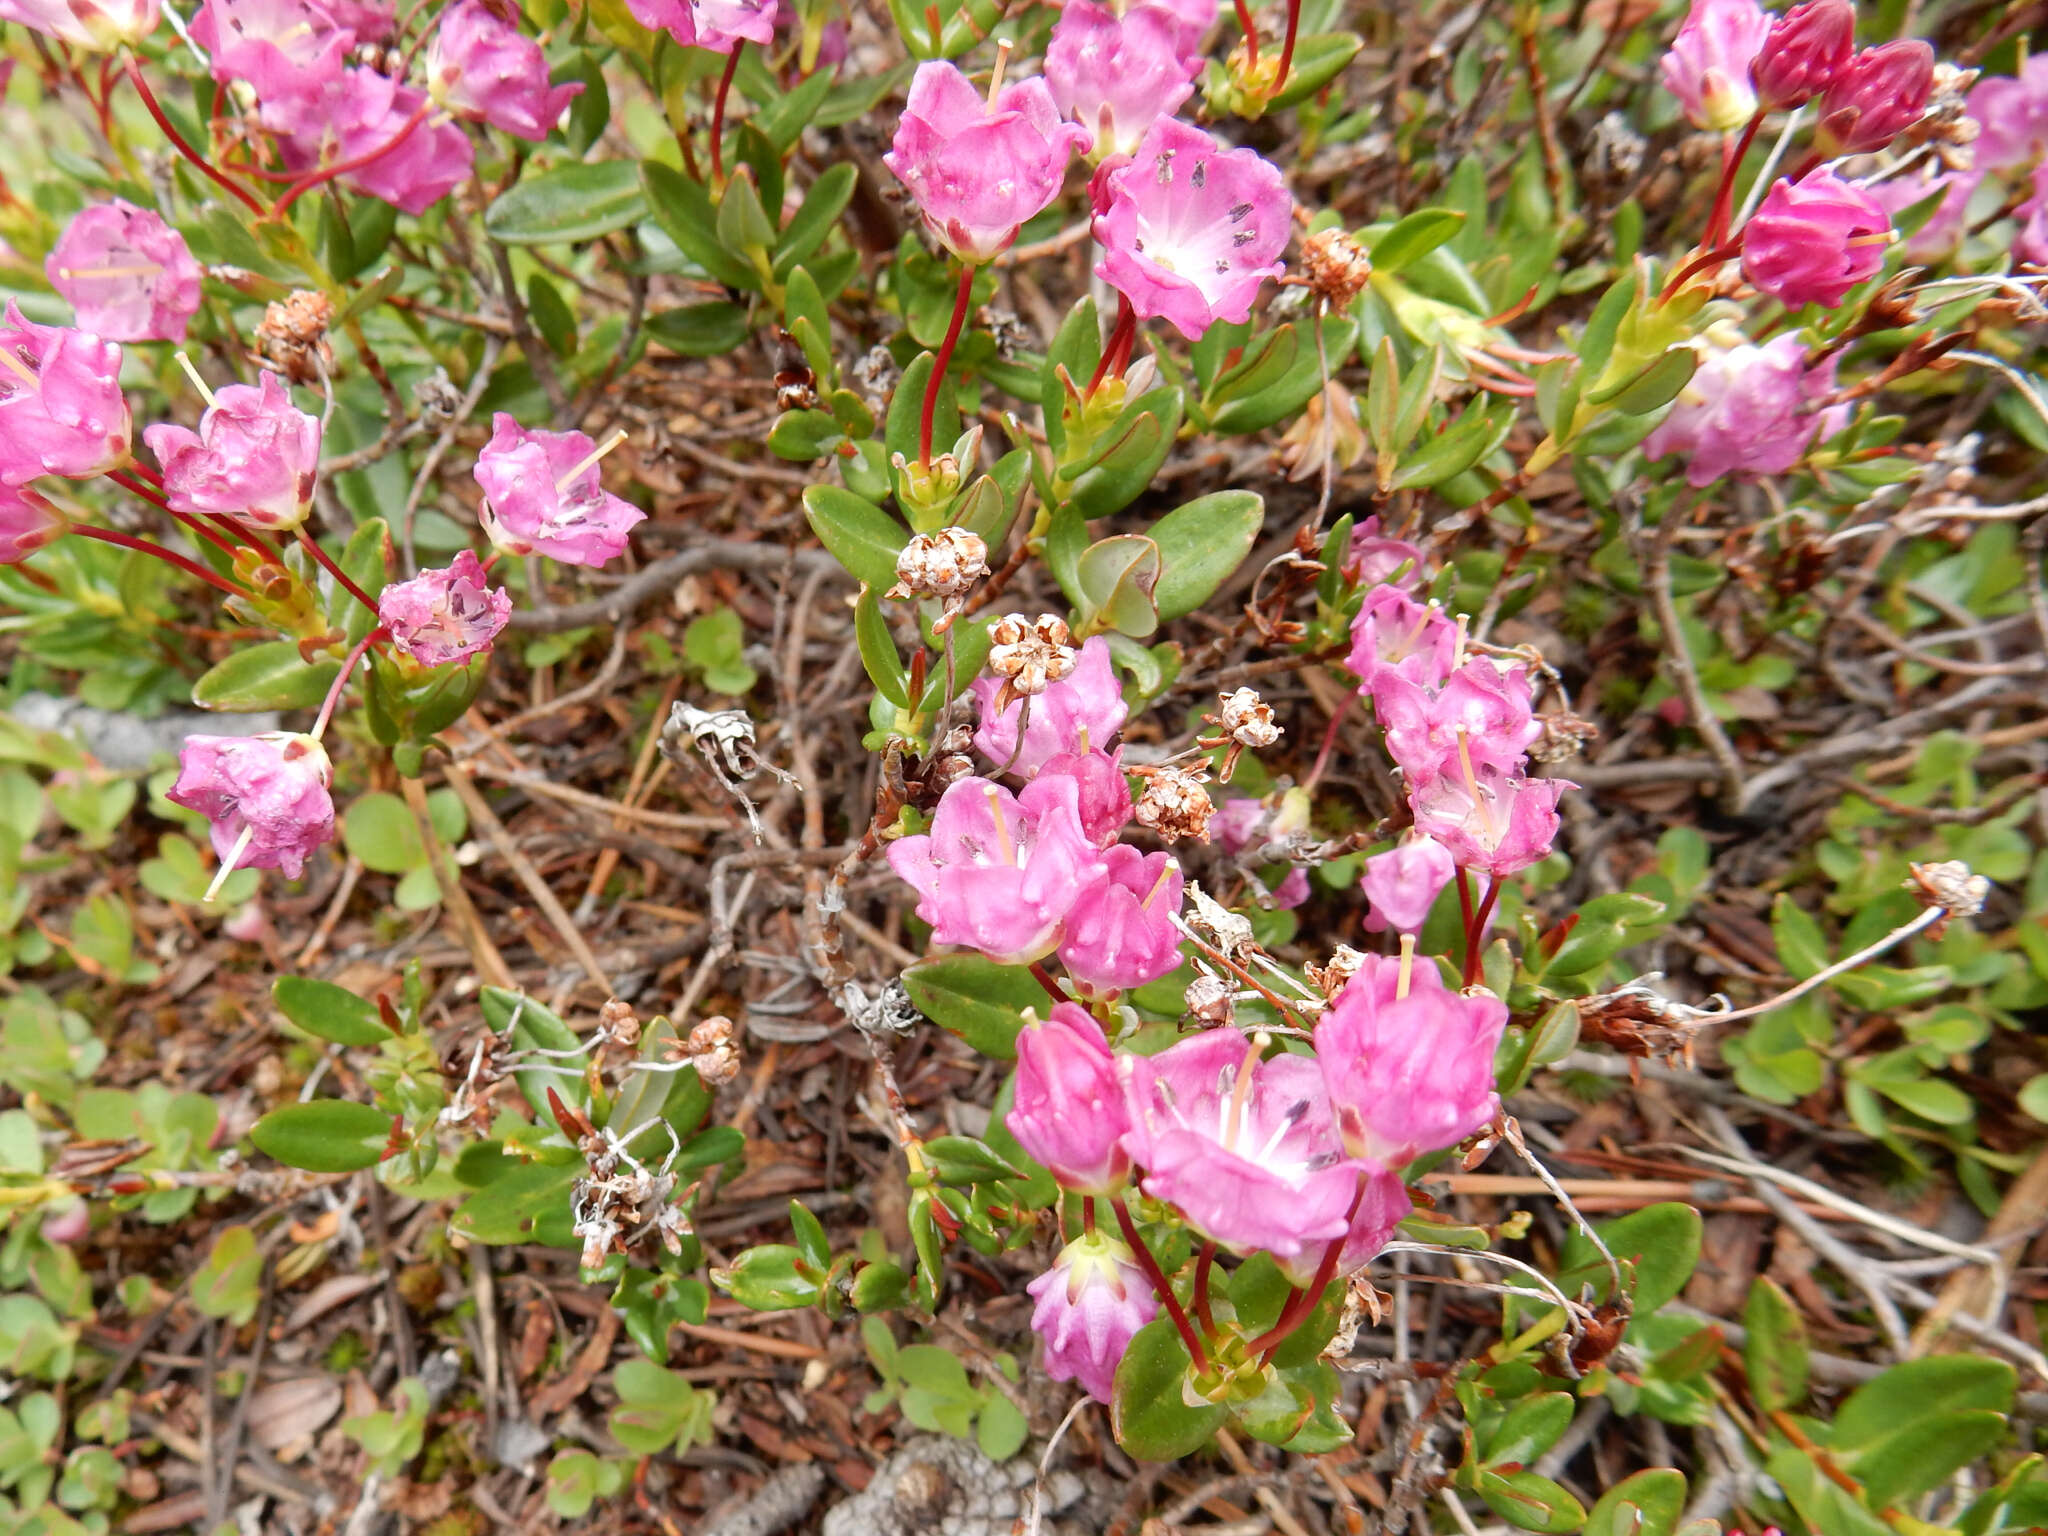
pixel 1148 1416
pixel 701 330
pixel 379 829
pixel 1801 945
pixel 1116 577
pixel 1922 1456
pixel 1775 1356
pixel 324 1135
pixel 1651 1503
pixel 1200 544
pixel 804 436
pixel 1603 931
pixel 1655 387
pixel 963 1160
pixel 267 676
pixel 981 1002
pixel 878 653
pixel 1318 59
pixel 658 1409
pixel 1001 1430
pixel 1661 1241
pixel 683 210
pixel 522 1203
pixel 742 223
pixel 1534 1503
pixel 821 209
pixel 226 1284
pixel 1530 1428
pixel 715 645
pixel 1916 1389
pixel 568 203
pixel 862 537
pixel 771 1278
pixel 1414 237
pixel 331 1012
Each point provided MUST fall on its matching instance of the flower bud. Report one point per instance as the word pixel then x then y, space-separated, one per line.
pixel 1807 47
pixel 1403 883
pixel 1091 1303
pixel 1814 239
pixel 1877 96
pixel 1068 1111
pixel 27 523
pixel 1707 67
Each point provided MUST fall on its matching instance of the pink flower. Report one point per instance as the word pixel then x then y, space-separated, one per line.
pixel 88 24
pixel 2031 244
pixel 1408 1075
pixel 1403 883
pixel 1068 1111
pixel 544 496
pixel 2012 116
pixel 265 795
pixel 717 25
pixel 1381 1201
pixel 1192 20
pixel 1480 714
pixel 999 872
pixel 1083 710
pixel 1116 75
pixel 1091 1303
pixel 126 272
pixel 1104 793
pixel 403 156
pixel 1814 239
pixel 1707 67
pixel 1876 96
pixel 1382 561
pixel 1246 1148
pixel 1189 229
pixel 979 170
pixel 1744 412
pixel 1120 931
pixel 27 523
pixel 61 407
pixel 1491 822
pixel 255 456
pixel 1807 47
pixel 445 616
pixel 1394 633
pixel 481 67
pixel 283 48
pixel 1235 821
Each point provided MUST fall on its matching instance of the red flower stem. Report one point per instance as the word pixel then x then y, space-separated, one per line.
pixel 1203 1265
pixel 249 536
pixel 195 525
pixel 334 692
pixel 732 64
pixel 1171 1302
pixel 327 564
pixel 1045 980
pixel 170 556
pixel 1116 352
pixel 1475 934
pixel 1724 195
pixel 343 167
pixel 134 72
pixel 941 363
pixel 1465 900
pixel 1699 264
pixel 1087 1215
pixel 1251 33
pixel 1302 1303
pixel 142 471
pixel 1287 47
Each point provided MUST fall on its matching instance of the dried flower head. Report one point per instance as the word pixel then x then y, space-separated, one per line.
pixel 710 1049
pixel 617 1023
pixel 1564 733
pixel 1951 886
pixel 293 336
pixel 1212 1000
pixel 1335 266
pixel 944 565
pixel 1175 803
pixel 1028 654
pixel 1344 963
pixel 1249 719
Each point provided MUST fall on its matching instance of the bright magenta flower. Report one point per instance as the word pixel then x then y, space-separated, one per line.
pixel 444 616
pixel 97 25
pixel 717 25
pixel 1707 67
pixel 1744 413
pixel 479 66
pixel 61 407
pixel 1814 239
pixel 1381 1201
pixel 2012 116
pixel 1876 96
pixel 1408 1075
pixel 543 496
pixel 1395 633
pixel 1402 884
pixel 979 170
pixel 1103 792
pixel 999 872
pixel 1807 47
pixel 1083 710
pixel 1494 823
pixel 254 457
pixel 1091 1303
pixel 407 158
pixel 265 795
pixel 2031 244
pixel 1068 1110
pixel 1480 712
pixel 127 274
pixel 285 49
pixel 1381 560
pixel 1116 75
pixel 27 523
pixel 1189 229
pixel 1245 1147
pixel 1120 931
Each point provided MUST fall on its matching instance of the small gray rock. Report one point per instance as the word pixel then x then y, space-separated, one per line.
pixel 126 742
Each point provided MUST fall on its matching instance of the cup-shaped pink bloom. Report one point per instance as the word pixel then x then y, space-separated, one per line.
pixel 1480 714
pixel 61 407
pixel 265 795
pixel 1382 1201
pixel 1117 75
pixel 977 169
pixel 1083 710
pixel 1402 884
pixel 2012 116
pixel 1408 1075
pixel 1814 239
pixel 1190 229
pixel 127 274
pixel 543 495
pixel 999 872
pixel 1744 413
pixel 1104 793
pixel 27 523
pixel 1068 1110
pixel 447 615
pixel 1492 823
pixel 402 154
pixel 1876 96
pixel 481 67
pixel 283 48
pixel 1807 47
pixel 254 457
pixel 716 25
pixel 1120 931
pixel 1246 1148
pixel 1707 67
pixel 1091 1303
pixel 1384 561
pixel 97 25
pixel 1395 633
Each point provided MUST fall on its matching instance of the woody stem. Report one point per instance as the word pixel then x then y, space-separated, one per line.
pixel 941 363
pixel 1167 1299
pixel 326 563
pixel 732 64
pixel 134 72
pixel 170 556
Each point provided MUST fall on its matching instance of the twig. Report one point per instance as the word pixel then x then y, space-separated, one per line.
pixel 630 595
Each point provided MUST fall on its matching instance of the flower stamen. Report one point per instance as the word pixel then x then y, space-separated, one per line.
pixel 576 471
